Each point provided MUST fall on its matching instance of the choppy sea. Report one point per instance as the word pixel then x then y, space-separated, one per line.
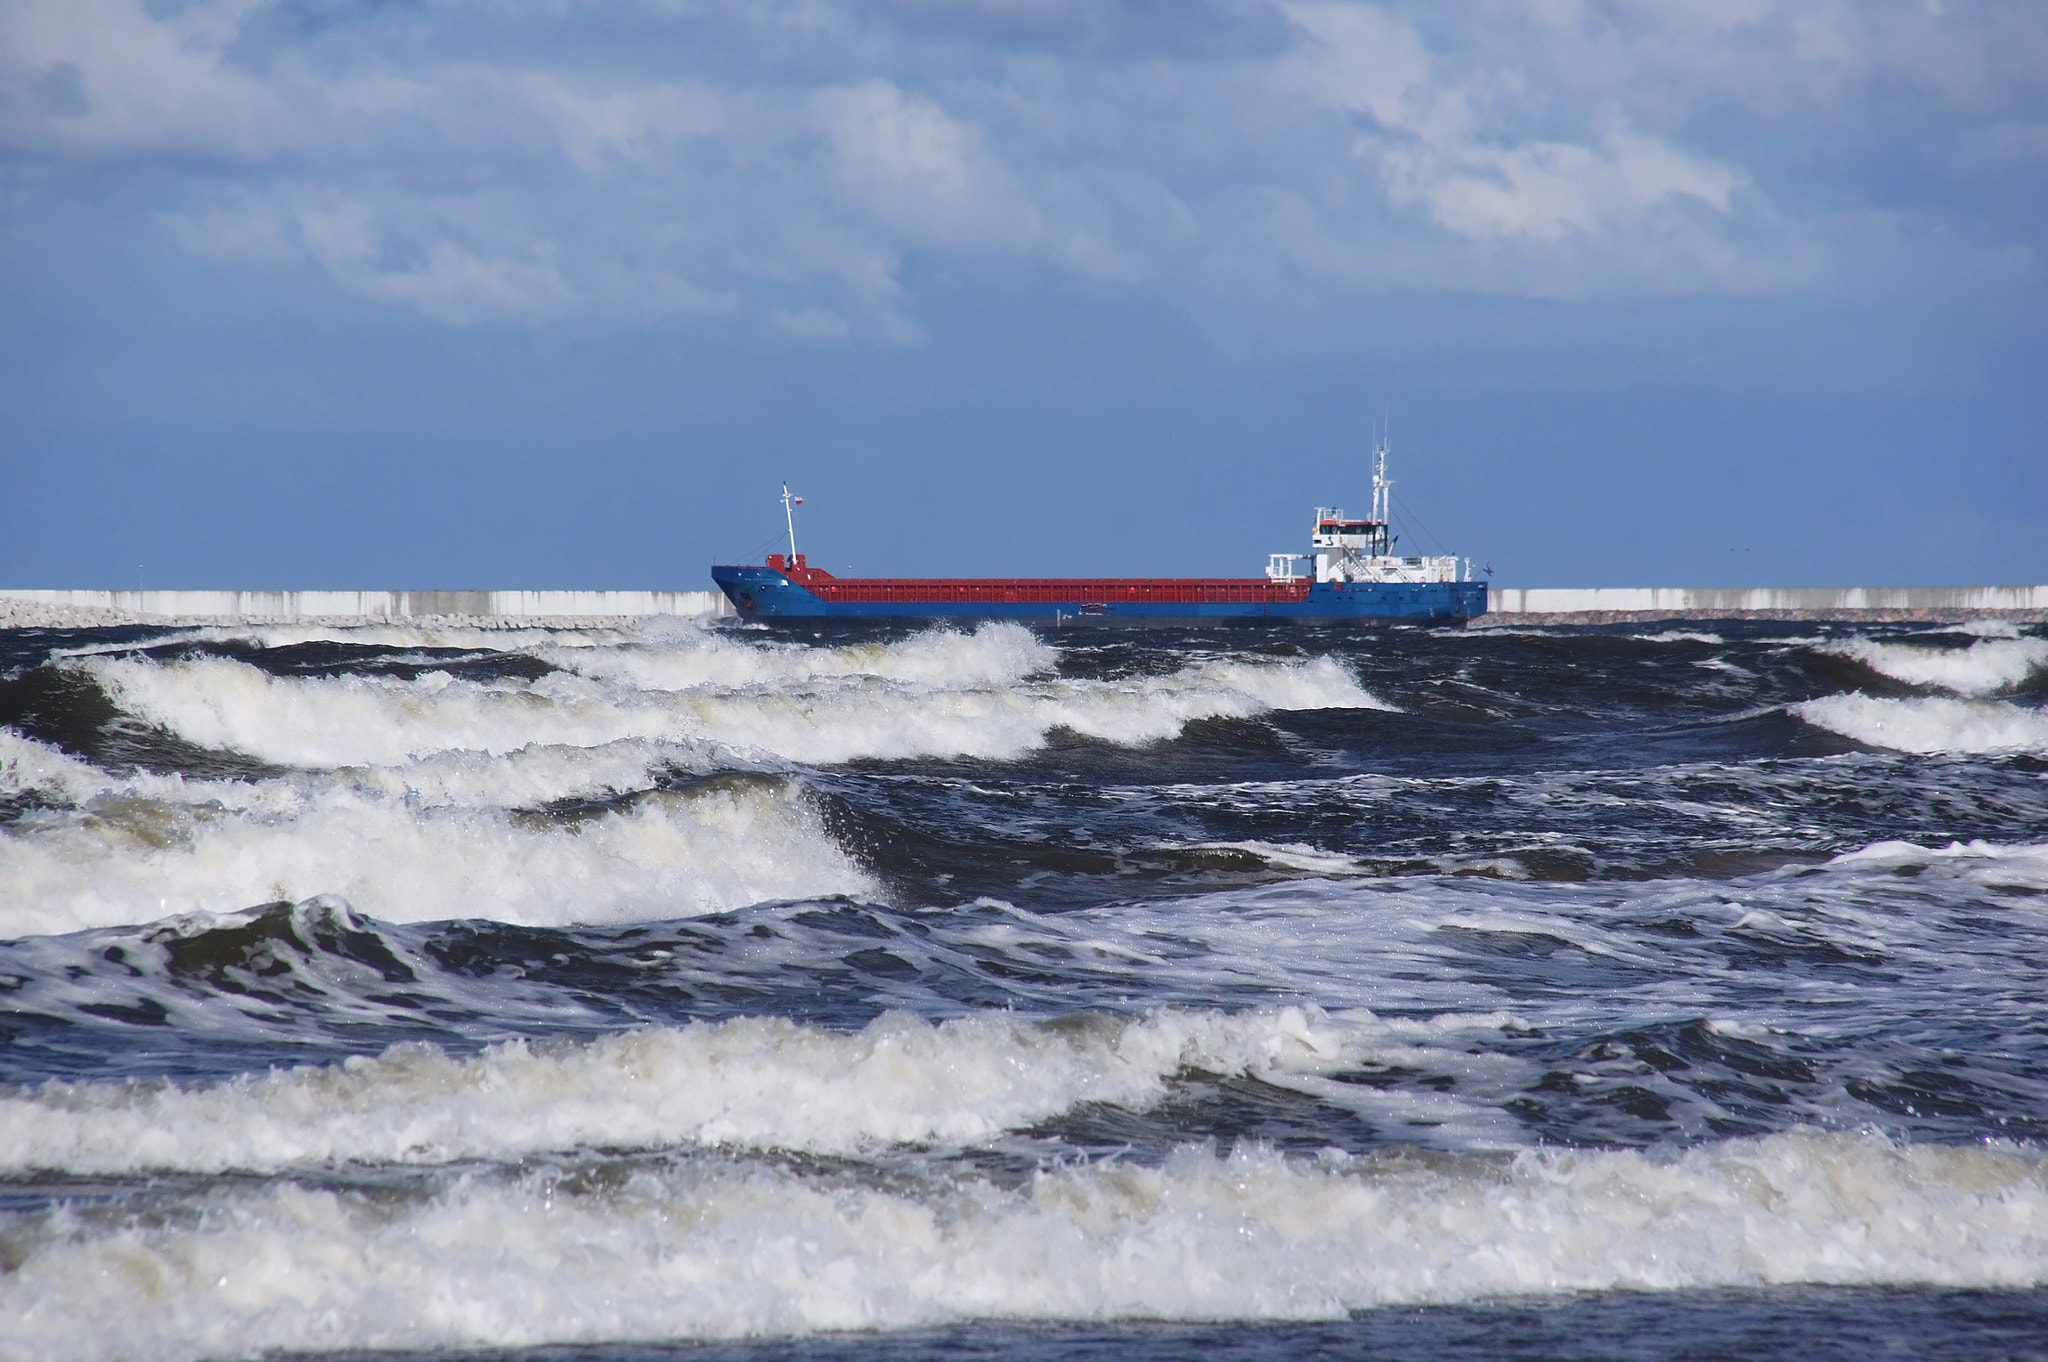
pixel 706 992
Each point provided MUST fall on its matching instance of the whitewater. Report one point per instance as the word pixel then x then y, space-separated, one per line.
pixel 877 991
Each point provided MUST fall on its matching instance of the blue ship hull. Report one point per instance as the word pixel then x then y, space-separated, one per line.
pixel 766 593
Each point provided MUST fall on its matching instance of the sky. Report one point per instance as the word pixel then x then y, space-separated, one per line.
pixel 461 293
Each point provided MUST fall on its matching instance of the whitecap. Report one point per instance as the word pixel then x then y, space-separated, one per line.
pixel 327 722
pixel 1287 856
pixel 1929 724
pixel 29 767
pixel 992 655
pixel 666 854
pixel 2028 862
pixel 750 1082
pixel 1985 667
pixel 714 1249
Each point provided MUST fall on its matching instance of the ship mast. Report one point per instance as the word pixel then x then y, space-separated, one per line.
pixel 789 505
pixel 1382 498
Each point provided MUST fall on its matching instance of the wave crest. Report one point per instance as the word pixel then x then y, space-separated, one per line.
pixel 1930 724
pixel 751 1082
pixel 717 846
pixel 714 1249
pixel 1986 667
pixel 829 716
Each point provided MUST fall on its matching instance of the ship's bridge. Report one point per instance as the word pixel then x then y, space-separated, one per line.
pixel 1361 549
pixel 1338 533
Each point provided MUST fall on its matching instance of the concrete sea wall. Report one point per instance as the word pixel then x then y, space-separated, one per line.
pixel 1592 605
pixel 27 608
pixel 508 609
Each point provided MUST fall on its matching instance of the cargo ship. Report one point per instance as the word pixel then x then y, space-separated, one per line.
pixel 1350 573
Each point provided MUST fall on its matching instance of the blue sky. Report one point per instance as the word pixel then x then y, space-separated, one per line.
pixel 444 293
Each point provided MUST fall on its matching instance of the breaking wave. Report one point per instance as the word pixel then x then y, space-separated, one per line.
pixel 1986 667
pixel 522 778
pixel 396 635
pixel 28 767
pixel 714 1248
pixel 992 655
pixel 1930 724
pixel 2023 864
pixel 826 717
pixel 719 845
pixel 750 1082
pixel 650 1029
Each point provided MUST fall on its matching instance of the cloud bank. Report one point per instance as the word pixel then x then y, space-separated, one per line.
pixel 780 165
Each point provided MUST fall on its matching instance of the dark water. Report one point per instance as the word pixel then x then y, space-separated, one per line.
pixel 1592 993
pixel 1820 1323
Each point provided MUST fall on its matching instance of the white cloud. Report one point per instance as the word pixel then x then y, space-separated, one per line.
pixel 602 126
pixel 1447 142
pixel 1361 59
pixel 920 170
pixel 457 286
pixel 340 236
pixel 103 78
pixel 1545 190
pixel 812 325
pixel 422 265
pixel 780 165
pixel 240 231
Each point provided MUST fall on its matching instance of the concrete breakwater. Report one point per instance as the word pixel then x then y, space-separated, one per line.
pixel 512 609
pixel 1622 604
pixel 506 609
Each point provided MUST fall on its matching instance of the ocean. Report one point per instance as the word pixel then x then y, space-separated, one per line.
pixel 707 992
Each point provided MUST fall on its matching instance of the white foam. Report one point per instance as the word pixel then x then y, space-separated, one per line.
pixel 1930 724
pixel 2004 864
pixel 526 777
pixel 57 777
pixel 752 1082
pixel 1985 667
pixel 31 767
pixel 393 635
pixel 1426 943
pixel 125 859
pixel 712 1249
pixel 532 775
pixel 1983 628
pixel 377 720
pixel 1679 636
pixel 401 803
pixel 992 655
pixel 1288 856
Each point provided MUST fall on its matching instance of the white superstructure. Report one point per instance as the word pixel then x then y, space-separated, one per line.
pixel 1348 550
